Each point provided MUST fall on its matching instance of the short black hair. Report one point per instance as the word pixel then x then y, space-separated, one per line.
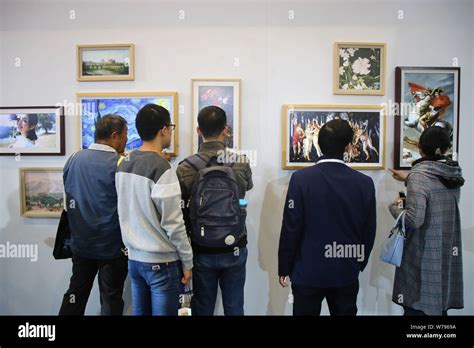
pixel 435 141
pixel 107 125
pixel 150 120
pixel 211 121
pixel 334 136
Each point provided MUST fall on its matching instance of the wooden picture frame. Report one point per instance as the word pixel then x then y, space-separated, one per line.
pixel 46 136
pixel 222 92
pixel 372 117
pixel 442 85
pixel 363 60
pixel 127 105
pixel 47 204
pixel 107 58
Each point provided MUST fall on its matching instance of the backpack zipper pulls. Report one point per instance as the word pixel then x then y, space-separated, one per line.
pixel 201 199
pixel 202 231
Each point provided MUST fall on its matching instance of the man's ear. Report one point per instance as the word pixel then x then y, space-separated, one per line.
pixel 225 132
pixel 164 131
pixel 198 131
pixel 115 136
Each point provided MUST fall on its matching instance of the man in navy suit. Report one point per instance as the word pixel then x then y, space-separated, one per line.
pixel 328 228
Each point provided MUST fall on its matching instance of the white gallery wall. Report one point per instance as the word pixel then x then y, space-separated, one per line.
pixel 282 61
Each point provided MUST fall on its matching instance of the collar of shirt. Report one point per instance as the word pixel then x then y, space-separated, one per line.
pixel 102 147
pixel 326 159
pixel 212 146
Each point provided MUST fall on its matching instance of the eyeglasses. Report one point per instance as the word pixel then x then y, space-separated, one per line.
pixel 171 126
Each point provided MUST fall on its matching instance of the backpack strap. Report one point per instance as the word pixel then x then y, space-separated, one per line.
pixel 229 164
pixel 197 162
pixel 120 160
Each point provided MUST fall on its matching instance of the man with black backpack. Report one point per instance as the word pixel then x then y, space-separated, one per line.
pixel 213 184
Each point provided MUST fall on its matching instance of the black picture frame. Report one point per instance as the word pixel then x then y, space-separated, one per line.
pixel 59 110
pixel 399 118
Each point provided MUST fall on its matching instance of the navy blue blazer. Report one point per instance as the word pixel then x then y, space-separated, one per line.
pixel 328 227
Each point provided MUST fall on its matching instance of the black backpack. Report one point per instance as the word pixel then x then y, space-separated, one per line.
pixel 217 220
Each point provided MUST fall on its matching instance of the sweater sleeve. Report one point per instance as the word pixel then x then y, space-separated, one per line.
pixel 166 195
pixel 416 202
pixel 291 230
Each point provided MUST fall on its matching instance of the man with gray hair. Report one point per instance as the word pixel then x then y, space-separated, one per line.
pixel 96 242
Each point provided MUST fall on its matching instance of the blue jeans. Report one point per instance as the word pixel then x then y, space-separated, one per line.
pixel 224 270
pixel 156 287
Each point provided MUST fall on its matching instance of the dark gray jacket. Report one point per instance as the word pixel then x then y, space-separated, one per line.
pixel 91 198
pixel 430 277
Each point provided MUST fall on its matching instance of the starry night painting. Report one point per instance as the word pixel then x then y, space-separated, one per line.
pixel 94 107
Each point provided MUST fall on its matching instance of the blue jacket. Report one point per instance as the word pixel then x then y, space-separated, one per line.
pixel 329 225
pixel 91 198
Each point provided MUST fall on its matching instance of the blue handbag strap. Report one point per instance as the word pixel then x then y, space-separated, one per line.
pixel 400 224
pixel 401 221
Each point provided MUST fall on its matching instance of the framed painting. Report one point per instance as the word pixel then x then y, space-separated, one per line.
pixel 359 68
pixel 95 105
pixel 115 62
pixel 224 93
pixel 32 131
pixel 425 97
pixel 302 123
pixel 41 192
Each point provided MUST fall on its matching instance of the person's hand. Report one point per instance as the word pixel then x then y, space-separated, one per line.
pixel 398 201
pixel 283 281
pixel 399 175
pixel 187 275
pixel 166 155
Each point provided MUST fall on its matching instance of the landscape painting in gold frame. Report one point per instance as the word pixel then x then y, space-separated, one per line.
pixel 41 192
pixel 108 62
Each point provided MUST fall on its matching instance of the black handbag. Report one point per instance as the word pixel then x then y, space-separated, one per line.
pixel 62 244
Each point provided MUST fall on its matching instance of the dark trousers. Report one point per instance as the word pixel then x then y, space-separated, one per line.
pixel 112 274
pixel 408 312
pixel 341 301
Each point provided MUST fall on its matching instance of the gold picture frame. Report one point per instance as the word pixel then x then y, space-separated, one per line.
pixel 233 110
pixel 354 113
pixel 47 204
pixel 102 66
pixel 128 108
pixel 359 68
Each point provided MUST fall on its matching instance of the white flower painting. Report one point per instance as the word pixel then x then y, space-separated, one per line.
pixel 359 69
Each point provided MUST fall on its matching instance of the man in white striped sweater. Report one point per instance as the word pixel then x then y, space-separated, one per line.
pixel 151 220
